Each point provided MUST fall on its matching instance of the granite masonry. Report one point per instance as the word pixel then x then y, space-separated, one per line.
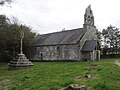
pixel 75 45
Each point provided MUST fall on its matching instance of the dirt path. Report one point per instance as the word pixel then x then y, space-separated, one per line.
pixel 117 62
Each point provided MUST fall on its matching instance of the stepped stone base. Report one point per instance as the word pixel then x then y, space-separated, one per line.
pixel 20 61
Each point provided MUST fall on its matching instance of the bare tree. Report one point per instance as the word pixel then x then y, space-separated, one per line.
pixel 3 2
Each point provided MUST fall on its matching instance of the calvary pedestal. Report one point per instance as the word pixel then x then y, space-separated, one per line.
pixel 21 60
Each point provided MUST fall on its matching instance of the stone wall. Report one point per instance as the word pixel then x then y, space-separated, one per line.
pixel 92 55
pixel 89 35
pixel 57 52
pixel 85 55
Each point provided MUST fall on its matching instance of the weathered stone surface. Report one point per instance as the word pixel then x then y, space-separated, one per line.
pixel 87 76
pixel 88 17
pixel 76 87
pixel 65 52
pixel 20 62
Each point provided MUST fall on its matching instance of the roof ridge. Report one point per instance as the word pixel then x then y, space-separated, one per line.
pixel 60 31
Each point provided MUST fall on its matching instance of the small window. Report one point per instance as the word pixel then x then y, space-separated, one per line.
pixel 88 16
pixel 90 11
pixel 91 17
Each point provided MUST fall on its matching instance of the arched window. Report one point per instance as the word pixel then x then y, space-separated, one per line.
pixel 58 52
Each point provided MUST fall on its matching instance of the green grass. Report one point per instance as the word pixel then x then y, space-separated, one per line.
pixel 56 75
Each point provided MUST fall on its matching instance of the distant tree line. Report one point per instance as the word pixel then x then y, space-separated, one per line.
pixel 10 38
pixel 110 41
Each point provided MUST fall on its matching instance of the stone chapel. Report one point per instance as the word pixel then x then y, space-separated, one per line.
pixel 72 45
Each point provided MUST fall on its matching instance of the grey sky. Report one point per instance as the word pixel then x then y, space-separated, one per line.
pixel 46 16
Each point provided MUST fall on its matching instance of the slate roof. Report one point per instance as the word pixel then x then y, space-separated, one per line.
pixel 89 45
pixel 63 37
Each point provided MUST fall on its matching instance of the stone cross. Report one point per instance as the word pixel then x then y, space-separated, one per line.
pixel 21 60
pixel 21 36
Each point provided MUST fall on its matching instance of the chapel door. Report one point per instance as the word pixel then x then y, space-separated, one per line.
pixel 41 56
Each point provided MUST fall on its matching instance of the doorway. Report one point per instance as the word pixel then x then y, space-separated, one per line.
pixel 41 56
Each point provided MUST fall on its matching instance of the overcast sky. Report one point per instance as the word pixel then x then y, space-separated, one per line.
pixel 46 16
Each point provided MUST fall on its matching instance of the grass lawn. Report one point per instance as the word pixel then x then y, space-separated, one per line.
pixel 56 75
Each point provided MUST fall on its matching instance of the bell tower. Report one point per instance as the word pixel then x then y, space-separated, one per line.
pixel 88 27
pixel 88 16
